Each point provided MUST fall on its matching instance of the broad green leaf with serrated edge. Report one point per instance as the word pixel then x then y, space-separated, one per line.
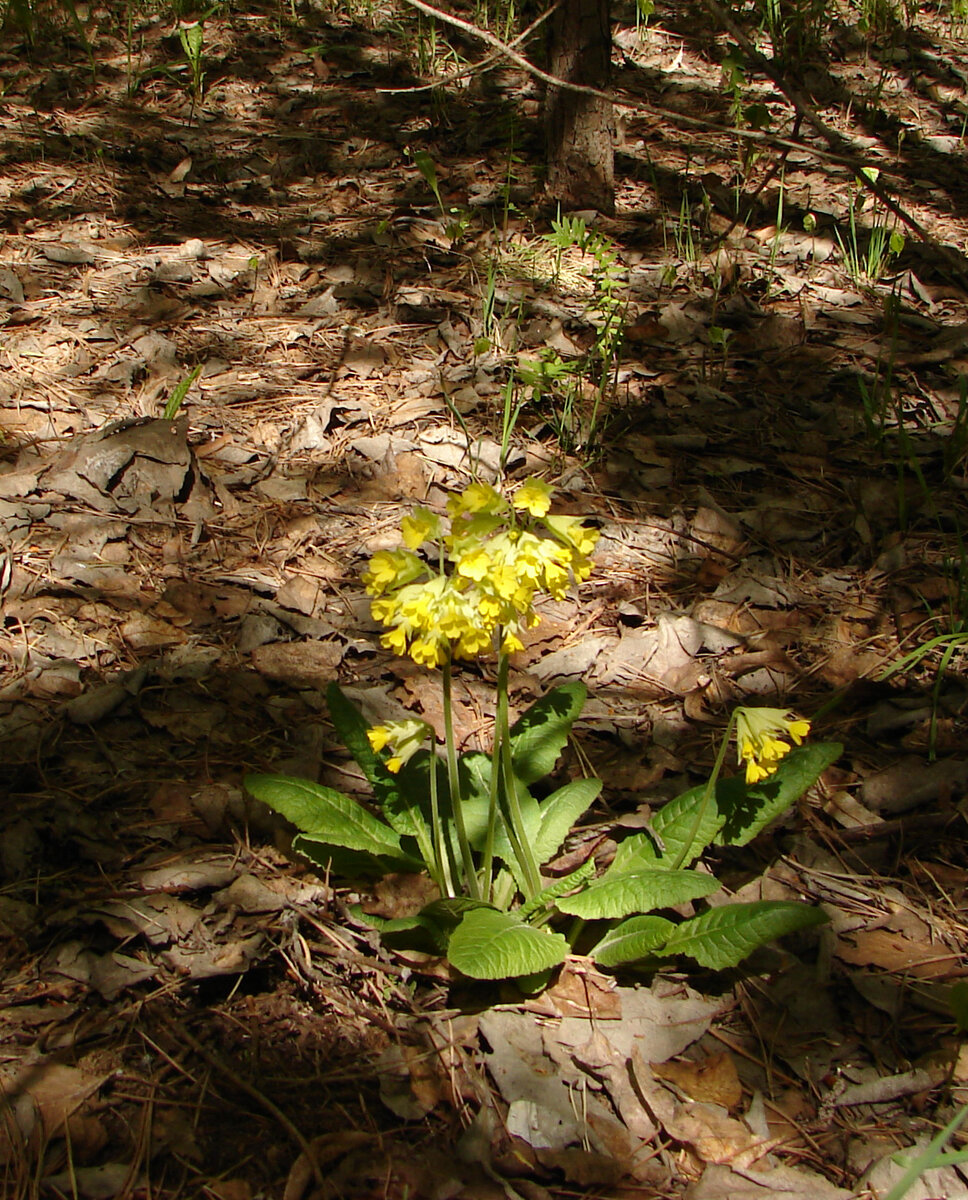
pixel 559 813
pixel 351 726
pixel 489 944
pixel 540 733
pixel 324 814
pixel 638 891
pixel 763 802
pixel 631 940
pixel 723 937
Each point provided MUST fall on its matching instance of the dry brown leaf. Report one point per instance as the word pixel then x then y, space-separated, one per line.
pixel 892 951
pixel 712 1079
pixel 580 990
pixel 398 895
pixel 300 664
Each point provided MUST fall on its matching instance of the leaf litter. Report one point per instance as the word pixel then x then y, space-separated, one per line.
pixel 183 1009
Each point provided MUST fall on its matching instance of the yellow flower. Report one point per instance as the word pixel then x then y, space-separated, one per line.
pixel 533 496
pixel 422 526
pixel 395 640
pixel 417 603
pixel 427 652
pixel 476 498
pixel 556 581
pixel 402 738
pixel 475 641
pixel 496 566
pixel 512 642
pixel 390 569
pixel 378 736
pixel 571 531
pixel 475 564
pixel 763 737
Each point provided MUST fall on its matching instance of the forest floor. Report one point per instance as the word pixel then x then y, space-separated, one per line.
pixel 778 473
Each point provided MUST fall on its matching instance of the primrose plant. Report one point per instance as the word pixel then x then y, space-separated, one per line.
pixel 483 827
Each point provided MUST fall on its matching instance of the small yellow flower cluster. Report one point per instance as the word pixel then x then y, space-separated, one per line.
pixel 401 738
pixel 763 737
pixel 495 559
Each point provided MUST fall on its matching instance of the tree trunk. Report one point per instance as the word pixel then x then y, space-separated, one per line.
pixel 579 129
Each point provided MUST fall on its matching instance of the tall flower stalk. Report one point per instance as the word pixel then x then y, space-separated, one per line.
pixel 460 589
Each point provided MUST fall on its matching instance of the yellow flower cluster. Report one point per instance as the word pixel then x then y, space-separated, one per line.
pixel 484 575
pixel 401 739
pixel 763 736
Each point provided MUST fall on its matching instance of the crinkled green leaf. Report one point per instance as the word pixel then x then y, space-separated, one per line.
pixel 635 892
pixel 636 938
pixel 489 944
pixel 324 813
pixel 560 812
pixel 723 937
pixel 540 733
pixel 351 726
pixel 747 813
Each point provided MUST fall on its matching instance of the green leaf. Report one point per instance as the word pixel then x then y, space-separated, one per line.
pixel 425 165
pixel 407 804
pixel 405 933
pixel 179 392
pixel 449 911
pixel 752 809
pixel 324 814
pixel 733 815
pixel 540 733
pixel 958 1003
pixel 547 896
pixel 674 826
pixel 638 891
pixel 723 937
pixel 559 813
pixel 489 944
pixel 930 1159
pixel 633 939
pixel 329 859
pixel 437 920
pixel 351 726
pixel 475 776
pixel 474 770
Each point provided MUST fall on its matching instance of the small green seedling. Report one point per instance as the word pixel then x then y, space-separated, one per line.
pixel 179 392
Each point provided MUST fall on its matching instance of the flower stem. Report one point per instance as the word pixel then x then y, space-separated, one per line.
pixel 453 778
pixel 707 795
pixel 516 830
pixel 493 811
pixel 441 853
